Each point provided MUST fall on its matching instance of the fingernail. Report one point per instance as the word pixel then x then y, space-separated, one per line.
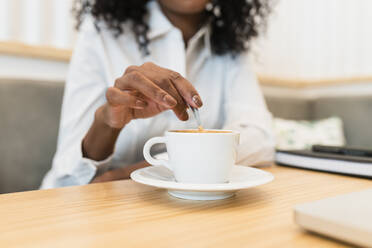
pixel 140 104
pixel 196 99
pixel 170 101
pixel 185 116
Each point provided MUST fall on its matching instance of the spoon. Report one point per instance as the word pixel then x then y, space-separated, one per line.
pixel 195 112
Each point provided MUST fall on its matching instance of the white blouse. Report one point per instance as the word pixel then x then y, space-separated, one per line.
pixel 228 87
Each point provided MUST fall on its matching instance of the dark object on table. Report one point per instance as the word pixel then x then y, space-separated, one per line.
pixel 335 161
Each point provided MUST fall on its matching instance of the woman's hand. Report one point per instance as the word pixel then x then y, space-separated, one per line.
pixel 145 91
pixel 119 174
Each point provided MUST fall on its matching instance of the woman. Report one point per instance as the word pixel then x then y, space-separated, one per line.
pixel 136 59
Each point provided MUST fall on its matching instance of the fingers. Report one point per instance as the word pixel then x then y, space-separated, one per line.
pixel 180 108
pixel 135 80
pixel 112 175
pixel 117 97
pixel 161 86
pixel 183 86
pixel 186 89
pixel 182 115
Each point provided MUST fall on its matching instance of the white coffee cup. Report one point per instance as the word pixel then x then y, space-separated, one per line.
pixel 205 157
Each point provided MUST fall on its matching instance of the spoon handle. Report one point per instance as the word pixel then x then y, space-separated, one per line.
pixel 195 112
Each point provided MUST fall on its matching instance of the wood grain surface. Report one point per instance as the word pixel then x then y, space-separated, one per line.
pixel 127 214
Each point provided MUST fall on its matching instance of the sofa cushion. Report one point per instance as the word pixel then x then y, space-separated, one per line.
pixel 298 135
pixel 354 110
pixel 356 113
pixel 290 107
pixel 29 119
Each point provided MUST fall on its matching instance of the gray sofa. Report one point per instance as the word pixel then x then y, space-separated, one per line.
pixel 29 117
pixel 354 110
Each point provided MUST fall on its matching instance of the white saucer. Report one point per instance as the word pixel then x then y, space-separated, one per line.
pixel 242 177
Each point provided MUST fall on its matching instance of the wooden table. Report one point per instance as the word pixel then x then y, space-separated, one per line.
pixel 127 214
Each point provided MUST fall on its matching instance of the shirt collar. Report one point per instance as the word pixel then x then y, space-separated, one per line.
pixel 160 25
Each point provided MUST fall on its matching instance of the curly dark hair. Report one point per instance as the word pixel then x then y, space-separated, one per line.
pixel 236 23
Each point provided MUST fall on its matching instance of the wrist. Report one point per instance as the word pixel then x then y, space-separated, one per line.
pixel 99 142
pixel 100 118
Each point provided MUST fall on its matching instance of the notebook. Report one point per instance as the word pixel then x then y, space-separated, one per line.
pixel 346 217
pixel 343 164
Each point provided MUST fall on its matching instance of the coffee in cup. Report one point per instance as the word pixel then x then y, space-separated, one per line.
pixel 200 131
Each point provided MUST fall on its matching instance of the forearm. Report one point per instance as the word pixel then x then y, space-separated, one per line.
pixel 100 140
pixel 120 173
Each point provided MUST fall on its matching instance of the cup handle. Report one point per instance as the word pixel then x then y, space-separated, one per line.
pixel 147 155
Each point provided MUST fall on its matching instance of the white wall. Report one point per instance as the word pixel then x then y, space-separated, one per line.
pixel 307 39
pixel 36 22
pixel 313 39
pixel 30 68
pixel 39 22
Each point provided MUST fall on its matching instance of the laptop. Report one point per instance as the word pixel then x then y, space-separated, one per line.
pixel 346 217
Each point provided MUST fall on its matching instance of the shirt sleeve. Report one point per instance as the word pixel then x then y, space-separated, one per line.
pixel 246 112
pixel 84 92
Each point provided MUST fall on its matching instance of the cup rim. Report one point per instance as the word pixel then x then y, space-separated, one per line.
pixel 228 132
